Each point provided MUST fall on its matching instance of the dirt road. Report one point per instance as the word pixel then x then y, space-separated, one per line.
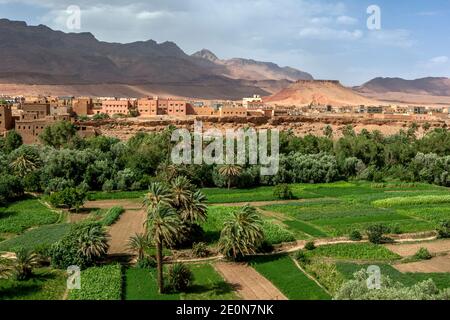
pixel 249 284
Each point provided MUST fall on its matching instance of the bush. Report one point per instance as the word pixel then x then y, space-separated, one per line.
pixel 423 254
pixel 327 274
pixel 444 229
pixel 283 192
pixel 310 246
pixel 83 246
pixel 108 186
pixel 69 197
pixel 179 277
pixel 375 233
pixel 355 235
pixel 200 250
pixel 146 263
pixel 302 257
pixel 112 215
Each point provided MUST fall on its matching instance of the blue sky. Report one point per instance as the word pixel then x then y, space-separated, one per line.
pixel 329 39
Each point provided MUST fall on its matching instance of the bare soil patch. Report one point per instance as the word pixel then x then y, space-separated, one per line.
pixel 406 250
pixel 249 284
pixel 436 265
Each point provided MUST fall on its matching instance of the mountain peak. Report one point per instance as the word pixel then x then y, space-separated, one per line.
pixel 206 54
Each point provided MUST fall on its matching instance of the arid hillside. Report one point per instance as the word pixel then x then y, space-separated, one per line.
pixel 419 91
pixel 318 92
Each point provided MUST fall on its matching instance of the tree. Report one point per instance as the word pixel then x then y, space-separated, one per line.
pixel 163 225
pixel 24 263
pixel 180 192
pixel 24 161
pixel 12 141
pixel 358 289
pixel 328 131
pixel 158 193
pixel 93 242
pixel 242 233
pixel 139 243
pixel 195 209
pixel 5 269
pixel 230 171
pixel 69 197
pixel 58 135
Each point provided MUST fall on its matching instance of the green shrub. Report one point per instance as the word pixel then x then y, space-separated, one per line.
pixel 69 198
pixel 283 192
pixel 444 229
pixel 355 235
pixel 100 283
pixel 423 254
pixel 146 263
pixel 375 233
pixel 179 277
pixel 84 245
pixel 112 215
pixel 302 257
pixel 310 246
pixel 200 250
pixel 327 274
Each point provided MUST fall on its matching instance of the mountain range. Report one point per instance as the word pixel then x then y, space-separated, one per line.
pixel 430 90
pixel 39 55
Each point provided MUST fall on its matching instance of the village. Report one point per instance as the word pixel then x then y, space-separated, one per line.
pixel 29 115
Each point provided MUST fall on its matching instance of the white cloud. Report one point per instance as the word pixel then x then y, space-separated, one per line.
pixel 346 20
pixel 391 38
pixel 325 33
pixel 439 60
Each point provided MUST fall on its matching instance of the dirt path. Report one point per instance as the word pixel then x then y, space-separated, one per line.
pixel 130 223
pixel 249 284
pixel 106 204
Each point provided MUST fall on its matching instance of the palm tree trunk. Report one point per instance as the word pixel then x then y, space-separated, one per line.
pixel 229 183
pixel 159 262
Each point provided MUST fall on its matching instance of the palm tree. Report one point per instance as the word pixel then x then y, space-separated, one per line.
pixel 242 233
pixel 139 243
pixel 230 171
pixel 195 209
pixel 25 163
pixel 93 241
pixel 24 263
pixel 5 269
pixel 163 226
pixel 181 192
pixel 158 193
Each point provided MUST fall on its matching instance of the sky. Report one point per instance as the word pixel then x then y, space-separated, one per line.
pixel 329 39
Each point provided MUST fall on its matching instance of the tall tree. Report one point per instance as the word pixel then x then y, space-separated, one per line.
pixel 230 171
pixel 158 193
pixel 24 162
pixel 163 225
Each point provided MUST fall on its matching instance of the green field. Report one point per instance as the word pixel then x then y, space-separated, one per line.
pixel 291 281
pixel 45 284
pixel 99 283
pixel 275 233
pixel 35 238
pixel 140 284
pixel 355 251
pixel 22 215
